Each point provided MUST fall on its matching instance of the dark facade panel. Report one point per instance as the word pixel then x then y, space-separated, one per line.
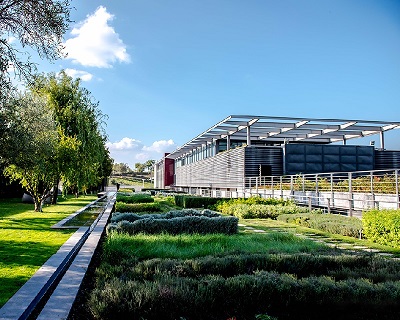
pixel 327 158
pixel 387 159
pixel 264 157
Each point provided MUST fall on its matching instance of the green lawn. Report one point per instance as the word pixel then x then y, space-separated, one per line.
pixel 268 224
pixel 27 241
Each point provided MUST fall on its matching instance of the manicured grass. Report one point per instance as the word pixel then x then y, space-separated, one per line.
pixel 267 224
pixel 27 241
pixel 184 246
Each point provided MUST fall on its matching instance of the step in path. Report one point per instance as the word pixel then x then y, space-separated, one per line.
pixel 331 242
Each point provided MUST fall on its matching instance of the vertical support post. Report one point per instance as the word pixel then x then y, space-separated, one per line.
pixel 328 202
pixel 309 204
pixel 397 187
pixel 372 189
pixel 280 186
pixel 382 140
pixel 350 195
pixel 228 142
pixel 303 189
pixel 316 189
pixel 248 136
pixel 332 194
pixel 257 185
pixel 291 188
pixel 272 186
pixel 291 184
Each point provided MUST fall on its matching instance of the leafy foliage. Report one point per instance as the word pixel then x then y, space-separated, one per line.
pixel 82 160
pixel 260 211
pixel 138 207
pixel 174 222
pixel 259 208
pixel 134 282
pixel 39 24
pixel 382 226
pixel 216 297
pixel 186 201
pixel 32 160
pixel 134 198
pixel 116 217
pixel 332 223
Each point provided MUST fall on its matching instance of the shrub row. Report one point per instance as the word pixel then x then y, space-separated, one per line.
pixel 187 224
pixel 134 198
pixel 131 217
pixel 186 201
pixel 258 200
pixel 339 267
pixel 382 226
pixel 261 211
pixel 138 207
pixel 244 296
pixel 332 223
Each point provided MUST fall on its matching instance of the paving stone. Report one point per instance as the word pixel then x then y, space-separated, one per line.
pixel 360 247
pixel 371 250
pixel 385 254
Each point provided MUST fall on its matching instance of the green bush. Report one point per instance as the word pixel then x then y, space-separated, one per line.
pixel 117 216
pixel 262 211
pixel 179 225
pixel 134 198
pixel 244 296
pixel 339 267
pixel 223 205
pixel 179 200
pixel 382 226
pixel 137 207
pixel 332 223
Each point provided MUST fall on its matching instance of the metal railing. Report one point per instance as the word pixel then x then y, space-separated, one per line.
pixel 349 191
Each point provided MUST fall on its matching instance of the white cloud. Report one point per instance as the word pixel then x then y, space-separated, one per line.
pixel 160 146
pixel 11 39
pixel 125 144
pixel 95 43
pixel 130 151
pixel 85 76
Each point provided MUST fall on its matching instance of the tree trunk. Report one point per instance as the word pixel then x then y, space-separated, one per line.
pixel 55 191
pixel 38 205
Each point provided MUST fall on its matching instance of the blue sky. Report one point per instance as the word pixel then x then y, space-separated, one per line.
pixel 165 71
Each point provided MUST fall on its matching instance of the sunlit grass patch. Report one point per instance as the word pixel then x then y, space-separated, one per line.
pixel 120 246
pixel 27 241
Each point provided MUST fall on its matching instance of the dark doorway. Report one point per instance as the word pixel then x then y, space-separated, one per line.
pixel 265 170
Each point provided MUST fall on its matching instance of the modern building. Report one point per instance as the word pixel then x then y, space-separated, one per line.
pixel 242 146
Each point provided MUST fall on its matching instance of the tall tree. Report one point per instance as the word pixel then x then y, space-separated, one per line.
pixel 149 164
pixel 33 125
pixel 121 168
pixel 38 24
pixel 80 123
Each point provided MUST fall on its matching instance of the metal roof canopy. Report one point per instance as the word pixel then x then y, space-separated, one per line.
pixel 286 130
